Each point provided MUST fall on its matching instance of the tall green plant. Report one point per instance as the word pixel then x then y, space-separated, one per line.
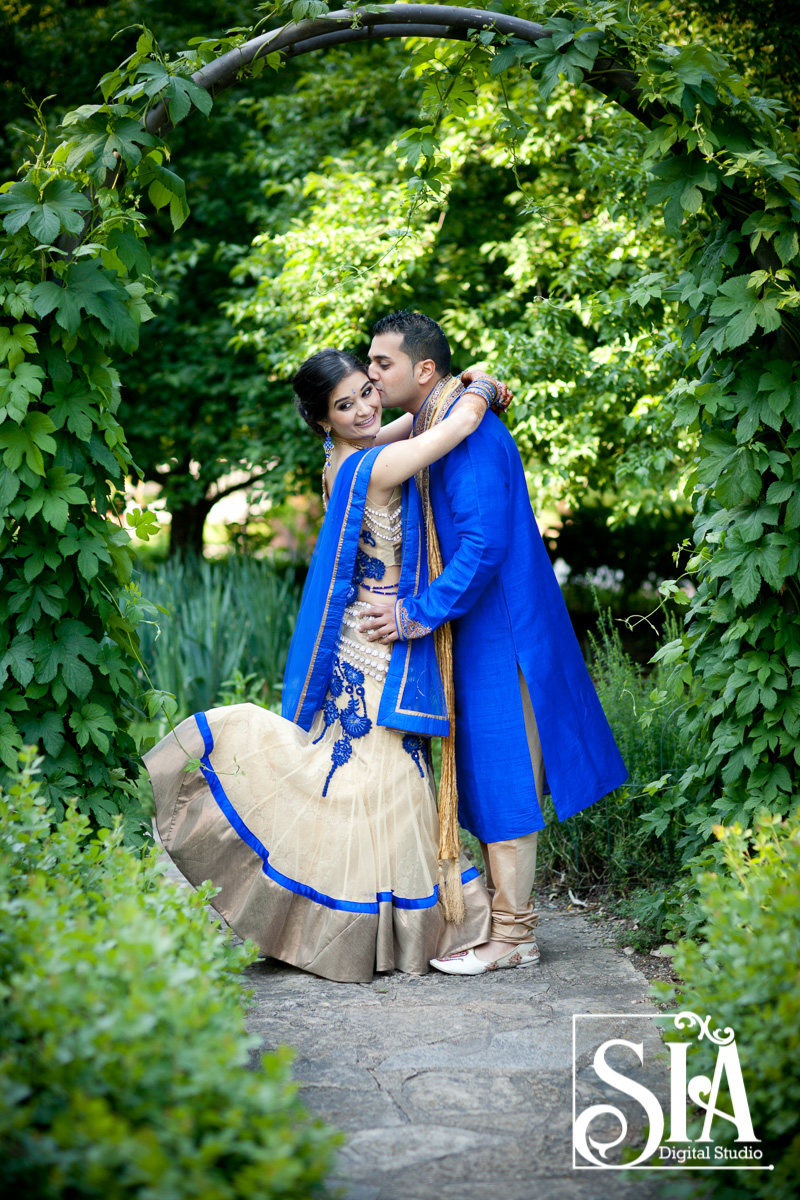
pixel 608 843
pixel 219 619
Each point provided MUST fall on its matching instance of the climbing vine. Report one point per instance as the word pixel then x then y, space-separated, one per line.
pixel 75 278
pixel 74 282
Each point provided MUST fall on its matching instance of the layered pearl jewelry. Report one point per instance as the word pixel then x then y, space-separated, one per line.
pixel 372 660
pixel 368 659
pixel 384 523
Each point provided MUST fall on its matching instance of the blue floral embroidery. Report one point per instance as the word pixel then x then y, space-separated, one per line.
pixel 368 537
pixel 330 712
pixel 368 567
pixel 346 681
pixel 417 747
pixel 354 723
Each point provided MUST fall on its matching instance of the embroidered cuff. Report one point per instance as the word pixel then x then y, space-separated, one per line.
pixel 407 628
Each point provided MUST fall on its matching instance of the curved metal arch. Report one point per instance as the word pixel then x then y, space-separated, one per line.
pixel 396 20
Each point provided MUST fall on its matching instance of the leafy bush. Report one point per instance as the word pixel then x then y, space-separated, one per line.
pixel 743 971
pixel 123 1048
pixel 608 842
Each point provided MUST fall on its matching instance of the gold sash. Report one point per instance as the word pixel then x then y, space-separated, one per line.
pixel 437 405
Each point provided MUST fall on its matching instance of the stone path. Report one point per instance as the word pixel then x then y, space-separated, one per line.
pixel 462 1088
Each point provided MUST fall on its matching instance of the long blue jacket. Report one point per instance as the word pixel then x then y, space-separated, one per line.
pixel 500 593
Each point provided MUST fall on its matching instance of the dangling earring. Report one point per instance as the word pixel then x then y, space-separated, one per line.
pixel 328 446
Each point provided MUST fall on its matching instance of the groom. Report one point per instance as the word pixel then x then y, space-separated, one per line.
pixel 527 717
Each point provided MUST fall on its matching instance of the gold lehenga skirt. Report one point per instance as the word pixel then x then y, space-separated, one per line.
pixel 324 844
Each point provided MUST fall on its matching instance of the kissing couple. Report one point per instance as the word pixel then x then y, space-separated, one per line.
pixel 430 610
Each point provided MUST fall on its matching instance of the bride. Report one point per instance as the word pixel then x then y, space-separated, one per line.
pixel 319 827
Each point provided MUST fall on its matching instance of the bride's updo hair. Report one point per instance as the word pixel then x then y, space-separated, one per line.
pixel 315 381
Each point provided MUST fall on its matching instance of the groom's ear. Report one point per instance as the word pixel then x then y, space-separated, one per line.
pixel 425 370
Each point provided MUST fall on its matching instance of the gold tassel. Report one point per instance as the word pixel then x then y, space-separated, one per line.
pixel 450 890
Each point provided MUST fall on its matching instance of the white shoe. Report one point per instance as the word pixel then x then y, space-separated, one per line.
pixel 467 962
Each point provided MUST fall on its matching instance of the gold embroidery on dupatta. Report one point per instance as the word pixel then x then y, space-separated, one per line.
pixel 310 671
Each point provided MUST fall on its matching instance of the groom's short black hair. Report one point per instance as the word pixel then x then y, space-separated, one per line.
pixel 422 337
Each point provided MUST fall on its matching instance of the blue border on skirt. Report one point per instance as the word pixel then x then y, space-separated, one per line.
pixel 300 889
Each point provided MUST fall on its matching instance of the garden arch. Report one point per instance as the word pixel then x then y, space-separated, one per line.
pixel 69 616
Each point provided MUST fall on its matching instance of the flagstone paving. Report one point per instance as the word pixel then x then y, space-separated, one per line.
pixel 462 1088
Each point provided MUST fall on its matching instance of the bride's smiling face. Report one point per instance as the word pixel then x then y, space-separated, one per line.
pixel 354 408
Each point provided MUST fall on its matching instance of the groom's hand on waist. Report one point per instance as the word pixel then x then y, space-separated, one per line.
pixel 378 623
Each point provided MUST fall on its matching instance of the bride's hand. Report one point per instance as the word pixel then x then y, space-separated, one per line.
pixel 505 396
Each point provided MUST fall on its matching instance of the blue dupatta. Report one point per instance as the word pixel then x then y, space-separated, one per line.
pixel 412 698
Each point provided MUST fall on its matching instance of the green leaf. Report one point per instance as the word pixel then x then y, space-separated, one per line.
pixel 180 94
pixel 39 557
pixel 504 57
pixel 751 527
pixel 91 551
pixel 18 659
pixel 787 246
pixel 780 491
pixel 31 602
pixel 53 497
pixel 46 212
pixel 679 183
pixel 88 287
pixel 9 486
pixel 28 441
pixel 778 381
pixel 89 724
pixel 740 302
pixel 95 132
pixel 747 699
pixel 747 581
pixel 793 511
pixel 165 187
pixel 307 10
pixel 71 650
pixel 131 251
pixel 47 728
pixel 569 64
pixel 10 742
pixel 72 405
pixel 16 343
pixel 18 388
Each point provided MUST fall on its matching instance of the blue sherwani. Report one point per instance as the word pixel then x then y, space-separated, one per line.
pixel 507 612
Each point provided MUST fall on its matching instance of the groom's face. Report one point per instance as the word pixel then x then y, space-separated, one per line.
pixel 392 371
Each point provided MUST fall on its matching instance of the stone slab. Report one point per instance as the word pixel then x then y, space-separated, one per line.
pixel 453 1087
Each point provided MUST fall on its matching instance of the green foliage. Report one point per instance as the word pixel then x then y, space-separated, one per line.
pixel 528 259
pixel 123 1052
pixel 742 970
pixel 736 298
pixel 653 910
pixel 607 843
pixel 757 36
pixel 218 618
pixel 75 277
